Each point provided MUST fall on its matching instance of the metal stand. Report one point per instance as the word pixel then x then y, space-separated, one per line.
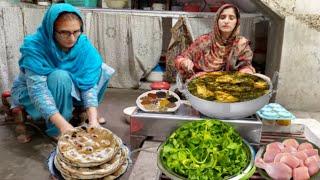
pixel 160 126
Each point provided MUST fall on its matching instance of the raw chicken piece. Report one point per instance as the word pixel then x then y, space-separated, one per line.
pixel 291 142
pixel 272 150
pixel 311 152
pixel 301 164
pixel 301 155
pixel 316 157
pixel 313 165
pixel 289 149
pixel 279 156
pixel 301 173
pixel 290 160
pixel 275 146
pixel 276 171
pixel 305 145
pixel 269 156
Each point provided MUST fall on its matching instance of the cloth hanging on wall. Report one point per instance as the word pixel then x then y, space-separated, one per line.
pixel 146 33
pixel 32 19
pixel 130 44
pixel 11 37
pixel 111 40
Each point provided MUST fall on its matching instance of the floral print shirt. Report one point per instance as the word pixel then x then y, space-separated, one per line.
pixel 211 52
pixel 208 56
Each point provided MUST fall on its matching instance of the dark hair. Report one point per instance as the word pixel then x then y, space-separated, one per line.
pixel 65 16
pixel 236 10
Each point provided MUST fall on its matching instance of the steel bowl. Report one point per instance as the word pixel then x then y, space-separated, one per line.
pixel 245 174
pixel 221 110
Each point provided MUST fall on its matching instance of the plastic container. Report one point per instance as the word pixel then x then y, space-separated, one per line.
pixel 275 114
pixel 83 3
pixel 116 4
pixel 158 7
pixel 128 112
pixel 160 85
pixel 176 8
pixel 156 74
pixel 43 2
pixel 214 8
pixel 191 8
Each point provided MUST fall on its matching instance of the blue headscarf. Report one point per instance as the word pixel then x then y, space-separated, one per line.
pixel 41 54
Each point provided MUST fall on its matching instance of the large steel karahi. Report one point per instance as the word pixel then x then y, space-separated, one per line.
pixel 222 105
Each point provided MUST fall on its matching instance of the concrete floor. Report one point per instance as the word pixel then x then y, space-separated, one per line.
pixel 28 161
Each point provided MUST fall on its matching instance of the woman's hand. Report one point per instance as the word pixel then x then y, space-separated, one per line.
pixel 188 66
pixel 94 124
pixel 62 124
pixel 246 70
pixel 93 117
pixel 65 128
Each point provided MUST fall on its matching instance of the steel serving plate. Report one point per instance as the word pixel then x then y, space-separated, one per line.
pixel 169 110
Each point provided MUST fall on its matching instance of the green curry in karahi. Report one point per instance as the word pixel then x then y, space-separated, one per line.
pixel 228 87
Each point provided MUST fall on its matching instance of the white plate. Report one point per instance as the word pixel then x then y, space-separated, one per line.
pixel 138 101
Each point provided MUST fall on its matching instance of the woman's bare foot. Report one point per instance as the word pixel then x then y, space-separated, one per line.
pixel 52 177
pixel 24 138
pixel 101 120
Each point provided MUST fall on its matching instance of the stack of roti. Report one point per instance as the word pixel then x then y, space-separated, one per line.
pixel 91 153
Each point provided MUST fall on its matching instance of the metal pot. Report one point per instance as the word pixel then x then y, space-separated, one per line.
pixel 220 110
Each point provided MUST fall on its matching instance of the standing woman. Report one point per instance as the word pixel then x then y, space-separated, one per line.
pixel 60 69
pixel 221 50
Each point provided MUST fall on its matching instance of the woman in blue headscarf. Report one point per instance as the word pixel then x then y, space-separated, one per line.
pixel 60 69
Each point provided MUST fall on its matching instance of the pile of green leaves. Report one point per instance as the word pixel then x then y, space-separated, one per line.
pixel 208 149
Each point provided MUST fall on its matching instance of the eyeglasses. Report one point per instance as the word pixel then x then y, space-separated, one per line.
pixel 66 34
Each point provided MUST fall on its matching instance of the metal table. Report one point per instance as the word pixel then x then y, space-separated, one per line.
pixel 158 126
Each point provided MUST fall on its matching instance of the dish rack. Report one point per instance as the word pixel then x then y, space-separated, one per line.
pixel 83 3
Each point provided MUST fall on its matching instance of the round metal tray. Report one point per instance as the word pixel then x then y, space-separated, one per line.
pixel 169 110
pixel 262 150
pixel 54 172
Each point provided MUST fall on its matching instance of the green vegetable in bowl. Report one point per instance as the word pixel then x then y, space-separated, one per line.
pixel 208 149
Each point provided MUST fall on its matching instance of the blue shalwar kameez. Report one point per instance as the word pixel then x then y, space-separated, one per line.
pixel 51 80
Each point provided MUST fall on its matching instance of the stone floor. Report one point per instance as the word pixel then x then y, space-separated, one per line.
pixel 28 161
